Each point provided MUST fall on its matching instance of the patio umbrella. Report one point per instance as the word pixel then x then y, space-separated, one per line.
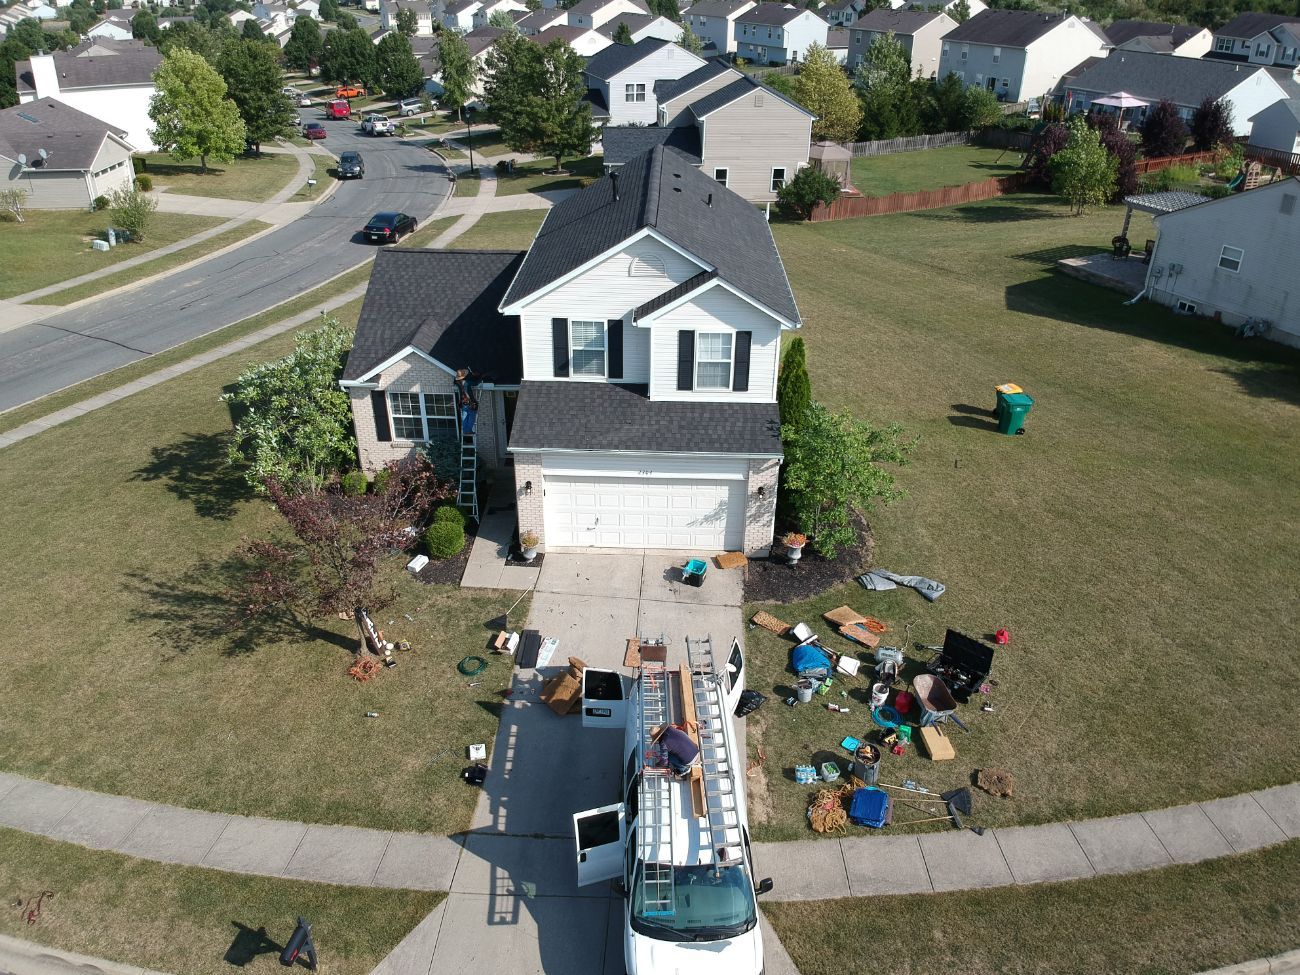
pixel 1121 100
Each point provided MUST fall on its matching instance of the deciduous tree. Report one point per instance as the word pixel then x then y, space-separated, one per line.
pixel 960 11
pixel 251 70
pixel 131 210
pixel 502 19
pixel 304 47
pixel 399 71
pixel 329 10
pixel 458 71
pixel 349 56
pixel 1083 172
pixel 191 114
pixel 1212 125
pixel 14 201
pixel 690 40
pixel 1121 149
pixel 1163 131
pixel 144 27
pixel 252 31
pixel 407 22
pixel 825 91
pixel 810 186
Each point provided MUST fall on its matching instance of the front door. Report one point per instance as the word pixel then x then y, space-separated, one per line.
pixel 598 837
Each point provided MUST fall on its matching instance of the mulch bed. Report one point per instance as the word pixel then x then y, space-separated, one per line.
pixel 775 580
pixel 448 571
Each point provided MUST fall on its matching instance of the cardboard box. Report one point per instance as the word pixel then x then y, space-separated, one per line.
pixel 561 693
pixel 936 744
pixel 843 616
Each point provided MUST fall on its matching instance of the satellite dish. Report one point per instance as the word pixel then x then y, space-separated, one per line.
pixel 22 159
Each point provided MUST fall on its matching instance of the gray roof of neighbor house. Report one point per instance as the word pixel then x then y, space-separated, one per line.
pixel 663 191
pixel 1250 25
pixel 1007 28
pixel 624 143
pixel 460 6
pixel 775 14
pixel 715 8
pixel 739 88
pixel 443 303
pixel 668 89
pixel 837 37
pixel 539 20
pixel 610 416
pixel 1285 78
pixel 560 31
pixel 901 21
pixel 596 100
pixel 481 38
pixel 634 23
pixel 1184 81
pixel 617 58
pixel 590 7
pixel 70 138
pixel 1291 105
pixel 1122 31
pixel 131 63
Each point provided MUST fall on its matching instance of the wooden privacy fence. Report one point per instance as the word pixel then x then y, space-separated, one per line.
pixel 1288 162
pixel 907 143
pixel 875 206
pixel 1186 159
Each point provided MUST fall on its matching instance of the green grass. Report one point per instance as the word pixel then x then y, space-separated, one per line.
pixel 468 183
pixel 1174 921
pixel 1137 542
pixel 429 232
pixel 485 143
pixel 203 922
pixel 322 172
pixel 253 178
pixel 149 268
pixel 54 245
pixel 120 377
pixel 930 169
pixel 135 683
pixel 503 231
pixel 531 177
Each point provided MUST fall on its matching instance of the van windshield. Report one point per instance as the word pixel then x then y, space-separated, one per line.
pixel 709 905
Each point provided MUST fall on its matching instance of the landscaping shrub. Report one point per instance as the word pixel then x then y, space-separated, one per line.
pixel 1164 133
pixel 449 513
pixel 353 483
pixel 144 182
pixel 798 198
pixel 100 203
pixel 132 211
pixel 444 539
pixel 382 477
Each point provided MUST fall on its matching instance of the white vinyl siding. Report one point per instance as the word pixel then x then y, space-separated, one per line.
pixel 668 63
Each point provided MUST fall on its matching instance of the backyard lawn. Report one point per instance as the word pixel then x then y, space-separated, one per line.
pixel 510 230
pixel 531 177
pixel 54 245
pixel 253 178
pixel 1138 543
pixel 931 169
pixel 132 681
pixel 1174 921
pixel 202 922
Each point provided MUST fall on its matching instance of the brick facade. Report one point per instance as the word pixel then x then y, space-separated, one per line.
pixel 528 467
pixel 760 519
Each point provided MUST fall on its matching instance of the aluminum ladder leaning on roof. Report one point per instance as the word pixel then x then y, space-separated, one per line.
pixel 718 774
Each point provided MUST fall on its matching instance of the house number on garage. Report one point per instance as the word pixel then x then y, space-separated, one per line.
pixel 645 473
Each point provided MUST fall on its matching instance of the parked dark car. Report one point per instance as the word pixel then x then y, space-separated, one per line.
pixel 313 130
pixel 385 228
pixel 351 166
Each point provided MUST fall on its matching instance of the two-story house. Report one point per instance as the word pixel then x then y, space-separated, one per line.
pixel 1270 39
pixel 1247 89
pixel 714 23
pixel 630 361
pixel 540 20
pixel 621 78
pixel 920 32
pixel 116 26
pixel 948 7
pixel 1180 40
pixel 459 14
pixel 585 42
pixel 843 12
pixel 641 26
pixel 389 9
pixel 483 14
pixel 746 136
pixel 1019 54
pixel 594 14
pixel 777 33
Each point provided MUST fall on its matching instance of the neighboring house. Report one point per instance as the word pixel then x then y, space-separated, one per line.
pixel 1233 259
pixel 113 28
pixel 1259 39
pixel 714 23
pixel 83 158
pixel 744 135
pixel 1248 89
pixel 837 42
pixel 487 8
pixel 237 18
pixel 540 20
pixel 843 13
pixel 1156 38
pixel 166 23
pixel 945 6
pixel 585 41
pixel 777 33
pixel 1277 127
pixel 1019 54
pixel 389 9
pixel 593 14
pixel 113 87
pixel 35 9
pixel 919 31
pixel 621 79
pixel 641 26
pixel 459 15
pixel 631 360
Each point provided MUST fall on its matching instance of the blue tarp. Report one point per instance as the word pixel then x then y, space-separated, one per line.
pixel 808 661
pixel 870 807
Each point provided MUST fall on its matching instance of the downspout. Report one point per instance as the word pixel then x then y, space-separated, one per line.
pixel 1146 287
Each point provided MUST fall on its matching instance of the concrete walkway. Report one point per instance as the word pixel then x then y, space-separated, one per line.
pixel 487 568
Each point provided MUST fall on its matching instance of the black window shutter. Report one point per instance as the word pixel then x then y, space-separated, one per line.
pixel 685 359
pixel 740 372
pixel 379 404
pixel 560 346
pixel 614 342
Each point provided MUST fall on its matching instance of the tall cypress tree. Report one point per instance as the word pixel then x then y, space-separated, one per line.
pixel 793 390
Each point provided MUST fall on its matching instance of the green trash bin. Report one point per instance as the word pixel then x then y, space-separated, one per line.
pixel 1012 409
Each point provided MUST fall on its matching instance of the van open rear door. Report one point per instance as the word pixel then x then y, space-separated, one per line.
pixel 599 836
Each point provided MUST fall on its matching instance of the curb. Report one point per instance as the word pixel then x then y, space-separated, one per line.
pixel 1284 964
pixel 28 958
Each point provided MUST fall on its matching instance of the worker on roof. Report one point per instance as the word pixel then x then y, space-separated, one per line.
pixel 676 750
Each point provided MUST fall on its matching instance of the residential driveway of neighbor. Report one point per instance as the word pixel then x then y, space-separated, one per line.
pixel 514 903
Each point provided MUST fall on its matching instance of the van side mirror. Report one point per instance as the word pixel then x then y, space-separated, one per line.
pixel 619 889
pixel 764 886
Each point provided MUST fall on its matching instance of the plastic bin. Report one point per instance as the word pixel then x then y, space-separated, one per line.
pixel 1012 410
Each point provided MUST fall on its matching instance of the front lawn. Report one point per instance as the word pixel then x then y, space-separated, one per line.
pixel 204 922
pixel 931 169
pixel 1137 542
pixel 537 176
pixel 507 230
pixel 1174 921
pixel 130 680
pixel 253 178
pixel 54 245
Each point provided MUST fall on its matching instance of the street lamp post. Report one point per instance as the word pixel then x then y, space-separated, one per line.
pixel 469 125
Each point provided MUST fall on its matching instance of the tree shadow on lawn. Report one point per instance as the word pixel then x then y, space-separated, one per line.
pixel 196 469
pixel 248 944
pixel 1266 369
pixel 196 611
pixel 982 212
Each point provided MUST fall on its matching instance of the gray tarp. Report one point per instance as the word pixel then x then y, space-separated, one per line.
pixel 881 580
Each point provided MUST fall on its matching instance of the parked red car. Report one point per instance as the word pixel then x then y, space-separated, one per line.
pixel 339 108
pixel 313 130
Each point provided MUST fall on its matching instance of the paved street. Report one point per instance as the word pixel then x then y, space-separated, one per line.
pixel 66 347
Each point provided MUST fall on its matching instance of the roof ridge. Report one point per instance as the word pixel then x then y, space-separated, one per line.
pixel 654 172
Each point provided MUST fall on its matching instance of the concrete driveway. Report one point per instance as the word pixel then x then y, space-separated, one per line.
pixel 514 904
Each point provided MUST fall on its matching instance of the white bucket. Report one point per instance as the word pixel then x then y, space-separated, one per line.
pixel 804 691
pixel 801 632
pixel 879 695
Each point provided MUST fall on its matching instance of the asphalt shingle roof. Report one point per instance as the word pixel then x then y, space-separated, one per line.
pixel 634 23
pixel 1184 81
pixel 738 89
pixel 1122 31
pixel 619 57
pixel 773 14
pixel 443 303
pixel 590 7
pixel 481 38
pixel 623 143
pixel 662 190
pixel 901 21
pixel 71 138
pixel 131 63
pixel 715 8
pixel 608 416
pixel 1292 105
pixel 1006 28
pixel 561 32
pixel 1250 25
pixel 667 90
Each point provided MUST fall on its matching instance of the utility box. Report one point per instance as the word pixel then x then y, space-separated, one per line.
pixel 604 699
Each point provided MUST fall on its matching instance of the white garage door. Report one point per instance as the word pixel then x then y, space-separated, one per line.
pixel 604 511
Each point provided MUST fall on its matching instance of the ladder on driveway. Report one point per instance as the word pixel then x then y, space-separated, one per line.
pixel 654 825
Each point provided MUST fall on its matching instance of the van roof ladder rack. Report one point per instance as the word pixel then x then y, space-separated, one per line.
pixel 719 777
pixel 655 813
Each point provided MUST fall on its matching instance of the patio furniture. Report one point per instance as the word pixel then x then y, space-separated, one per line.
pixel 1120 247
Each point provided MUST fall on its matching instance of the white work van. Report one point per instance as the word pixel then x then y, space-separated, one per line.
pixel 677 846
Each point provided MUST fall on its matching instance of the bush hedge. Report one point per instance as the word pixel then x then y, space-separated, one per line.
pixel 353 483
pixel 144 182
pixel 444 539
pixel 449 513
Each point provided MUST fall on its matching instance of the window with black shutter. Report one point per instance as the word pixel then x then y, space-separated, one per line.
pixel 379 405
pixel 560 346
pixel 685 359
